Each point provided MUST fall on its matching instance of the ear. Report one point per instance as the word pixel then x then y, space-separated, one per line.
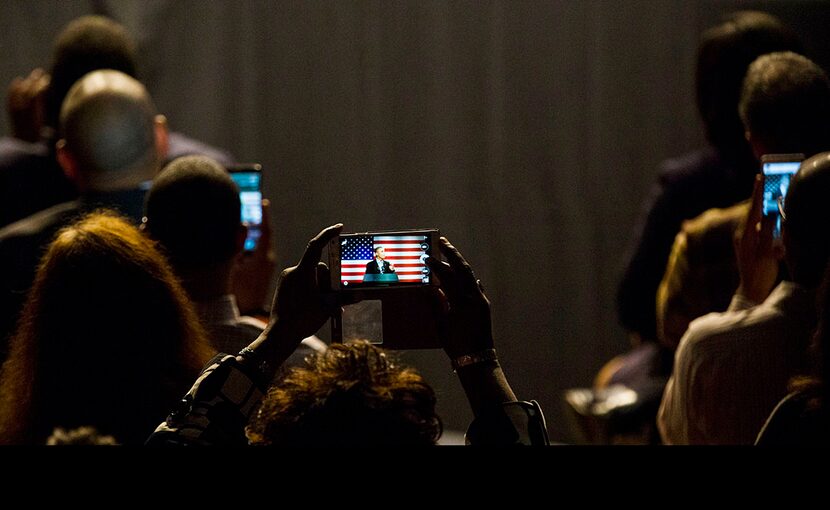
pixel 67 162
pixel 162 137
pixel 241 234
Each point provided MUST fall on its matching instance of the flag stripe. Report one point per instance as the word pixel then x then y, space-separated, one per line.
pixel 399 238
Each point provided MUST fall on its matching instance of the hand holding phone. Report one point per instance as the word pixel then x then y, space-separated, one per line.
pixel 249 179
pixel 253 273
pixel 778 170
pixel 400 303
pixel 757 253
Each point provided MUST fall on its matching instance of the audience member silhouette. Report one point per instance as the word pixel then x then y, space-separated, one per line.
pixel 112 144
pixel 801 418
pixel 718 175
pixel 355 394
pixel 30 178
pixel 107 339
pixel 732 368
pixel 229 390
pixel 193 211
pixel 702 275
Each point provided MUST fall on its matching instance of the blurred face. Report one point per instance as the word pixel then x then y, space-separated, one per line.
pixel 380 254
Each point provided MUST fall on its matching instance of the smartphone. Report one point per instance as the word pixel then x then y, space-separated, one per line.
pixel 778 170
pixel 382 260
pixel 249 179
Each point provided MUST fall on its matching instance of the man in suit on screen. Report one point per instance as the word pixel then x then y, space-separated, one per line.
pixel 380 265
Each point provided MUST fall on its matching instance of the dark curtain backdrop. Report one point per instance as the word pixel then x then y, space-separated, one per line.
pixel 529 132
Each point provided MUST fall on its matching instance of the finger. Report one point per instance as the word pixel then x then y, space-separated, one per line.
pixel 265 228
pixel 314 250
pixel 756 207
pixel 16 83
pixel 765 234
pixel 448 280
pixel 441 268
pixel 455 259
pixel 264 246
pixel 323 277
pixel 14 96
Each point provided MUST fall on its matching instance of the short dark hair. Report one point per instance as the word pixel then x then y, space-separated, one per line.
pixel 807 212
pixel 724 54
pixel 193 210
pixel 785 102
pixel 353 394
pixel 87 44
pixel 378 248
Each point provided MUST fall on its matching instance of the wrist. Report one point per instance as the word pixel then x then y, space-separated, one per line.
pixel 474 358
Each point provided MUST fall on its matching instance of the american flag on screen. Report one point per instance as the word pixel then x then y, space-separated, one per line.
pixel 406 253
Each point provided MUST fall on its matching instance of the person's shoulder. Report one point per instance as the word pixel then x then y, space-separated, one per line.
pixel 721 332
pixel 717 218
pixel 42 223
pixel 183 145
pixel 694 166
pixel 713 230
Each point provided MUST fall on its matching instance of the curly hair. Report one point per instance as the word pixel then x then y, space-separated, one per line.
pixel 353 394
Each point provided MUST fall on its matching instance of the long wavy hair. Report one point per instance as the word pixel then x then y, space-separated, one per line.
pixel 107 338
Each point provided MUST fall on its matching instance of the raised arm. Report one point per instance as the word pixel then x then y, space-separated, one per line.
pixel 468 342
pixel 228 391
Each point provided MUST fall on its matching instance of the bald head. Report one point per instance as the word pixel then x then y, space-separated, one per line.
pixel 807 211
pixel 110 132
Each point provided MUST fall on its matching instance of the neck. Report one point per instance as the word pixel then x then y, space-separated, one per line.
pixel 209 282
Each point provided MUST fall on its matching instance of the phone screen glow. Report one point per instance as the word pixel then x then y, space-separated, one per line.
pixel 777 176
pixel 250 196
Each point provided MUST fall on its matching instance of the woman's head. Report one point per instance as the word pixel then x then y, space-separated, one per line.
pixel 107 337
pixel 352 394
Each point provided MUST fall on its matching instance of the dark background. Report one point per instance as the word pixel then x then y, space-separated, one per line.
pixel 529 132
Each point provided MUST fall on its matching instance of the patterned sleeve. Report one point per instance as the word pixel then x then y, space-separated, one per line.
pixel 216 409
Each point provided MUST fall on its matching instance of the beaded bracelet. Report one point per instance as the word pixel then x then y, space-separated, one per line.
pixel 466 360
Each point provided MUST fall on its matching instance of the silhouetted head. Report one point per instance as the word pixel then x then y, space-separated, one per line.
pixel 785 105
pixel 806 225
pixel 352 394
pixel 193 210
pixel 725 52
pixel 86 44
pixel 107 338
pixel 112 138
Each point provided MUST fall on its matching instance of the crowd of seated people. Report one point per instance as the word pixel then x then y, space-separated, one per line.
pixel 704 181
pixel 121 315
pixel 120 293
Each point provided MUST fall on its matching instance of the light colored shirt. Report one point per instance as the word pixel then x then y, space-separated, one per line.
pixel 230 332
pixel 732 368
